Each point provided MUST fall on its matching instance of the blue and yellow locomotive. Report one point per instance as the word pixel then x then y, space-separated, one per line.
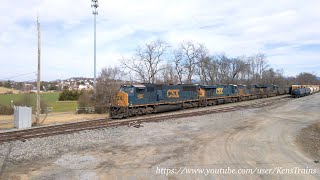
pixel 133 100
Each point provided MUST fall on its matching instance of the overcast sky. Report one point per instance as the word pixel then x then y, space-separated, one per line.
pixel 287 31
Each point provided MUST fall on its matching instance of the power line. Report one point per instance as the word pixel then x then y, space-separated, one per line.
pixel 31 80
pixel 19 75
pixel 27 80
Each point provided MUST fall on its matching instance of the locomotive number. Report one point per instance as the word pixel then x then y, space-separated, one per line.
pixel 140 96
pixel 219 91
pixel 173 93
pixel 118 98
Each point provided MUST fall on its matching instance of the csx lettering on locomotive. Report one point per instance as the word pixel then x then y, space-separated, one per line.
pixel 173 93
pixel 219 91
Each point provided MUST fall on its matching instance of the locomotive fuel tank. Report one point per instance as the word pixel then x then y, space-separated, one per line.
pixel 169 107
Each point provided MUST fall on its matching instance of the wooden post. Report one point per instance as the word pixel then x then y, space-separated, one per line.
pixel 38 77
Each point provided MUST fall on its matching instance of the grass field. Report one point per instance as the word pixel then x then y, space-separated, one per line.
pixel 50 98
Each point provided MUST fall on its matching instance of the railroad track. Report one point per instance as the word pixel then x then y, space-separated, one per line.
pixel 46 131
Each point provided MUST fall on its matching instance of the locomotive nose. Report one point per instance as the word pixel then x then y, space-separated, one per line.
pixel 121 99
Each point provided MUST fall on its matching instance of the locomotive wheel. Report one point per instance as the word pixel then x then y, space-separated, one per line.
pixel 139 111
pixel 130 112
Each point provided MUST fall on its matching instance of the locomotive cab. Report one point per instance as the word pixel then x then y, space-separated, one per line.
pixel 127 89
pixel 122 96
pixel 234 89
pixel 130 94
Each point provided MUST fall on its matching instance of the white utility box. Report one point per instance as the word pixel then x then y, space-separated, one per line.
pixel 22 117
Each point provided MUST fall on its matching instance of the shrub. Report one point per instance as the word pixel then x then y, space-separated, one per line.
pixel 101 109
pixel 6 110
pixel 43 106
pixel 68 95
pixel 85 99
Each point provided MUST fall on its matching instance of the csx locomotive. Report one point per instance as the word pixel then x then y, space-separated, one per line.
pixel 132 100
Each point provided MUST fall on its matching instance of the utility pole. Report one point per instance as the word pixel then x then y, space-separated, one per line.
pixel 38 76
pixel 94 5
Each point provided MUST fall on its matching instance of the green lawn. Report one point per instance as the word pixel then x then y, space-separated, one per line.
pixel 64 106
pixel 50 98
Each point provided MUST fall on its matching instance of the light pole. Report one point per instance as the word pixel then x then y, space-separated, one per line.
pixel 94 5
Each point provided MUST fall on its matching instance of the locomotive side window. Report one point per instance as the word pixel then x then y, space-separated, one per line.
pixel 140 90
pixel 150 89
pixel 189 88
pixel 158 87
pixel 127 89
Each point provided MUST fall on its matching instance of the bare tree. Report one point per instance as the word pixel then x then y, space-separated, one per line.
pixel 212 70
pixel 280 80
pixel 269 76
pixel 191 61
pixel 108 83
pixel 137 66
pixel 146 63
pixel 177 61
pixel 190 54
pixel 238 66
pixel 202 62
pixel 168 75
pixel 224 67
pixel 203 69
pixel 307 78
pixel 261 64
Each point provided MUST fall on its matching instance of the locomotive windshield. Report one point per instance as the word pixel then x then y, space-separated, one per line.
pixel 127 89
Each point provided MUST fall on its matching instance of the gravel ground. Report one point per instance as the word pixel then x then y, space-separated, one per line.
pixel 50 147
pixel 309 141
pixel 263 138
pixel 18 153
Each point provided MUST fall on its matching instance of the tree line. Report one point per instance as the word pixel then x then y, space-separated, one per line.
pixel 191 62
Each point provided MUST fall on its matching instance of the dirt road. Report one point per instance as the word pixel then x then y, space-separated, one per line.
pixel 255 144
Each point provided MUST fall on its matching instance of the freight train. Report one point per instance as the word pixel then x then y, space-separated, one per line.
pixel 304 90
pixel 134 100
